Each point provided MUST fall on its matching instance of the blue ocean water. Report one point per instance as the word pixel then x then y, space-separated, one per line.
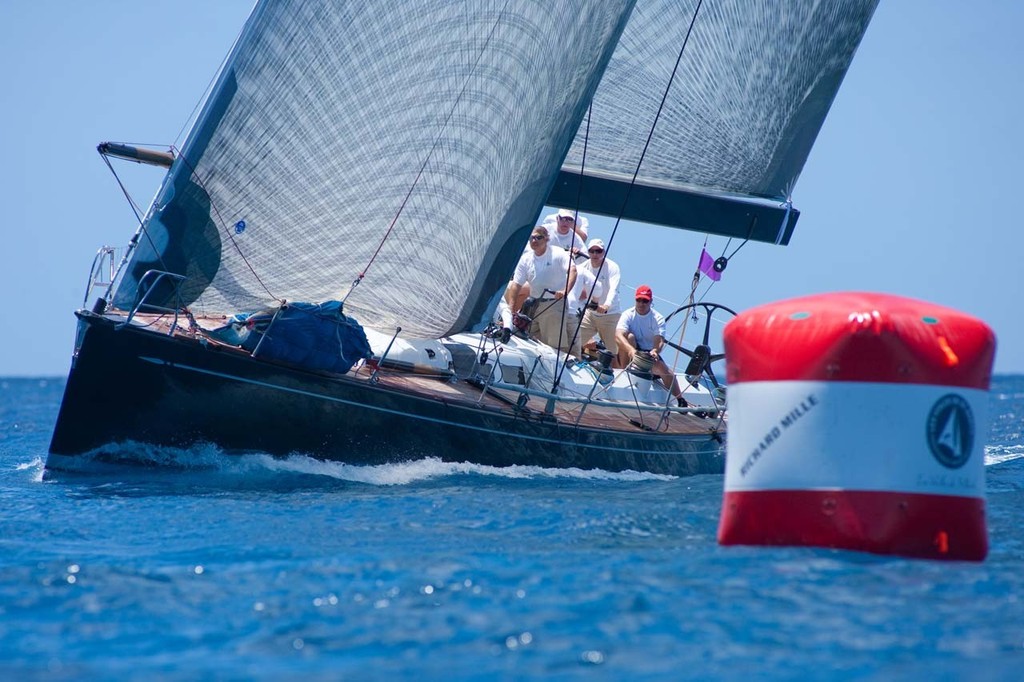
pixel 206 566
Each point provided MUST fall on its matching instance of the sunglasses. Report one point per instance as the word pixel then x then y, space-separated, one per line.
pixel 565 217
pixel 596 251
pixel 537 238
pixel 643 300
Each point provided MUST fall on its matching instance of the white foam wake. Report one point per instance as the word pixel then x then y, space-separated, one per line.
pixel 35 466
pixel 255 464
pixel 403 473
pixel 997 454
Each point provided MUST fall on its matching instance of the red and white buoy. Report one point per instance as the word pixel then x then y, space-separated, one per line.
pixel 858 421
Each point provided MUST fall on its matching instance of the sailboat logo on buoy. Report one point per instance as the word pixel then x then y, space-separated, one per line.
pixel 951 431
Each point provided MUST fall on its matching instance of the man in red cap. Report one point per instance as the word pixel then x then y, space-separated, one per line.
pixel 641 328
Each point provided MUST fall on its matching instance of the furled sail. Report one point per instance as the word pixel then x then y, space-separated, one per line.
pixel 753 86
pixel 438 124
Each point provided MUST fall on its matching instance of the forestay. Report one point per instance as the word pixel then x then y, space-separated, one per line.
pixel 754 84
pixel 332 123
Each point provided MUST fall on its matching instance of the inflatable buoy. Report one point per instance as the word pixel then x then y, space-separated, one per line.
pixel 858 421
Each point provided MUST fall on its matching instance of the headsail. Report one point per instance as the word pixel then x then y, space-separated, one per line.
pixel 443 122
pixel 754 84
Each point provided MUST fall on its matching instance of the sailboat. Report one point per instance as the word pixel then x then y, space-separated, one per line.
pixel 319 269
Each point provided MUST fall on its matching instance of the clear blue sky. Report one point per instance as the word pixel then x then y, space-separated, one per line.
pixel 911 188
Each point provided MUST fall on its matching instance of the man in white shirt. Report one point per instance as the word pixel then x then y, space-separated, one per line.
pixel 567 230
pixel 577 300
pixel 641 328
pixel 550 273
pixel 603 311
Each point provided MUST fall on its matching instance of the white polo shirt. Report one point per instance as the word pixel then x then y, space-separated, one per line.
pixel 643 327
pixel 548 271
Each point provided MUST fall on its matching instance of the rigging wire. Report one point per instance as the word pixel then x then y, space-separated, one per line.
pixel 726 247
pixel 136 211
pixel 643 153
pixel 579 194
pixel 124 190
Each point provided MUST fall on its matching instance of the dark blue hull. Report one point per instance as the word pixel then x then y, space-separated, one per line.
pixel 135 385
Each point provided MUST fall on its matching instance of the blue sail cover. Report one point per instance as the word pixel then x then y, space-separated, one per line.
pixel 754 84
pixel 438 124
pixel 309 335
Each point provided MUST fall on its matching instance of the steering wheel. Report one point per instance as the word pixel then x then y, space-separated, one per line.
pixel 701 356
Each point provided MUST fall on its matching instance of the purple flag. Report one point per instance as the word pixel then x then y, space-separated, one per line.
pixel 707 265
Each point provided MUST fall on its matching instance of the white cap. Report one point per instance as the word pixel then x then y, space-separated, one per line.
pixel 566 213
pixel 595 242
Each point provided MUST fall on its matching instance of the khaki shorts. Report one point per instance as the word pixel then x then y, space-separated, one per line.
pixel 602 324
pixel 547 323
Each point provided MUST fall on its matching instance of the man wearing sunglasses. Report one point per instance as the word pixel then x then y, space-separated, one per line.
pixel 567 230
pixel 550 273
pixel 602 306
pixel 642 328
